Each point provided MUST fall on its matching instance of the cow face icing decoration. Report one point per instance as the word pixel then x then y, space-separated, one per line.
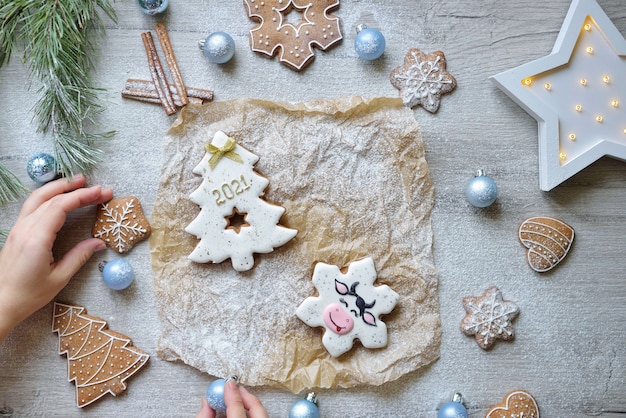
pixel 348 306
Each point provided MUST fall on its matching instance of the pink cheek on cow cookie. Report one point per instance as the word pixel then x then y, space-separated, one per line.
pixel 337 319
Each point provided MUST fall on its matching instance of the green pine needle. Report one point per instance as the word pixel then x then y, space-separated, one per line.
pixel 12 188
pixel 57 36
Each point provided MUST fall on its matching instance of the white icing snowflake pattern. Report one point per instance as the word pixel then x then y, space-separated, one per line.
pixel 121 224
pixel 348 306
pixel 489 318
pixel 422 79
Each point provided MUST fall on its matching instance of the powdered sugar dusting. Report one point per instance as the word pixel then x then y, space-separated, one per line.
pixel 352 177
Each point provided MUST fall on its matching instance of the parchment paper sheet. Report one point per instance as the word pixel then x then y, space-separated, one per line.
pixel 352 176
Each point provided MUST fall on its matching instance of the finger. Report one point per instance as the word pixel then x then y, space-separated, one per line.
pixel 232 399
pixel 205 411
pixel 79 198
pixel 74 259
pixel 252 404
pixel 48 191
pixel 55 210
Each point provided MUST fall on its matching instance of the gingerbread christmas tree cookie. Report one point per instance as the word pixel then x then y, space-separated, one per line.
pixel 234 221
pixel 348 306
pixel 99 360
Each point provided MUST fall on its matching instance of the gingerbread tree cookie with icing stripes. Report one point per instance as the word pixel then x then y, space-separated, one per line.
pixel 99 360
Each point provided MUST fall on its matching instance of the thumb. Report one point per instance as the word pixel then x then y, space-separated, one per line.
pixel 75 258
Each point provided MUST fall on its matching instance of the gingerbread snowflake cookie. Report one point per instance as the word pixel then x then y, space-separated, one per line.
pixel 294 38
pixel 423 79
pixel 348 306
pixel 234 221
pixel 121 224
pixel 489 318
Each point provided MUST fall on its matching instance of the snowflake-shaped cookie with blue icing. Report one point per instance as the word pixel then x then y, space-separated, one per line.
pixel 348 306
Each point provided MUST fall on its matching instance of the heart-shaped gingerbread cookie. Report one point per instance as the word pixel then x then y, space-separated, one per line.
pixel 548 241
pixel 516 404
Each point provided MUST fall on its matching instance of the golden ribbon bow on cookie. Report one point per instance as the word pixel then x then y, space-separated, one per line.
pixel 226 151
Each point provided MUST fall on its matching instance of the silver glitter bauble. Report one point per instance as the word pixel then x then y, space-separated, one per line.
pixel 41 168
pixel 481 191
pixel 218 47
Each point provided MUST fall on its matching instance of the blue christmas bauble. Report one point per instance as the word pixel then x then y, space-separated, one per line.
pixel 369 43
pixel 481 191
pixel 452 409
pixel 215 395
pixel 118 274
pixel 153 7
pixel 41 168
pixel 304 409
pixel 218 47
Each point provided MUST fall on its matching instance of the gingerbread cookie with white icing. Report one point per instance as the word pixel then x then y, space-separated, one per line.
pixel 548 241
pixel 518 403
pixel 349 306
pixel 423 79
pixel 234 221
pixel 489 318
pixel 99 360
pixel 295 40
pixel 121 224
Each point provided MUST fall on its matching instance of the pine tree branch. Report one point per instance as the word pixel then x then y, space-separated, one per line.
pixel 11 188
pixel 59 50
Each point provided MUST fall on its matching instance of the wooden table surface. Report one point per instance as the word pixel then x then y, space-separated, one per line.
pixel 570 349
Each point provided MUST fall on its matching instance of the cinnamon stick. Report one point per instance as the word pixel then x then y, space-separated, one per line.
pixel 145 91
pixel 170 58
pixel 158 76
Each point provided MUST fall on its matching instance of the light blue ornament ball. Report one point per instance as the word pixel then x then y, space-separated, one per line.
pixel 153 7
pixel 452 409
pixel 118 274
pixel 304 409
pixel 218 47
pixel 215 395
pixel 481 191
pixel 369 44
pixel 41 168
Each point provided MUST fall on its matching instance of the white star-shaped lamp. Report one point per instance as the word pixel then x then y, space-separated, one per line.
pixel 577 94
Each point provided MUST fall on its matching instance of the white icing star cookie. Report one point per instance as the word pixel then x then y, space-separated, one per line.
pixel 348 306
pixel 234 221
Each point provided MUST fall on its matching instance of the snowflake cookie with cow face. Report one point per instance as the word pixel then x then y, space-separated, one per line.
pixel 348 306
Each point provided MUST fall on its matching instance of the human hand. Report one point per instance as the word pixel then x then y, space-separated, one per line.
pixel 238 400
pixel 30 277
